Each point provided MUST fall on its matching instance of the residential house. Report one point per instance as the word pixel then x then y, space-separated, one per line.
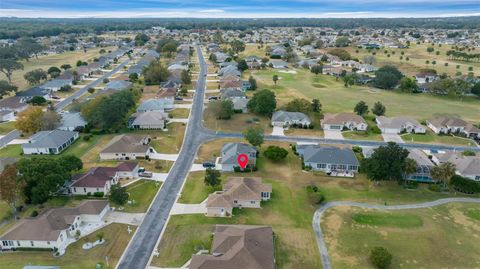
pixel 284 119
pixel 366 68
pixel 230 152
pixel 240 104
pixel 245 85
pixel 397 125
pixel 466 166
pixel 424 166
pixel 100 179
pixel 149 120
pixel 126 147
pixel 117 85
pixel 238 246
pixel 278 64
pixel 446 125
pixel 167 95
pixel 341 121
pixel 35 91
pixel 56 228
pixel 330 159
pixel 56 84
pixel 157 105
pixel 242 192
pixel 72 121
pixel 423 78
pixel 14 103
pixel 6 115
pixel 231 93
pixel 49 142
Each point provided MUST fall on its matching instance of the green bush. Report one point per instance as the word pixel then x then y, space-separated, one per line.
pixel 380 257
pixel 34 213
pixel 465 185
pixel 98 194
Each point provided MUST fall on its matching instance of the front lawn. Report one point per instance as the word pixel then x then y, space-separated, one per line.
pixel 11 151
pixel 179 113
pixel 238 123
pixel 195 191
pixel 141 193
pixel 431 138
pixel 116 239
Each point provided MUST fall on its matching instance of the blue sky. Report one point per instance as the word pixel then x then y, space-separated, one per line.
pixel 238 8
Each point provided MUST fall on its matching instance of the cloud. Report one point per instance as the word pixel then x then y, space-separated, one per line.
pixel 212 11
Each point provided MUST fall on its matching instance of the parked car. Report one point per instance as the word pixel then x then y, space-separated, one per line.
pixel 178 98
pixel 212 98
pixel 146 174
pixel 208 164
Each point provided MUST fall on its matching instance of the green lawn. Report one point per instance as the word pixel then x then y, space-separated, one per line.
pixel 141 193
pixel 179 113
pixel 432 138
pixel 116 237
pixel 5 210
pixel 194 191
pixel 360 135
pixel 81 146
pixel 337 98
pixel 11 151
pixel 439 237
pixel 6 127
pixel 238 123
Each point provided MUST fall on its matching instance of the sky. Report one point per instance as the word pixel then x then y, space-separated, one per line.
pixel 238 8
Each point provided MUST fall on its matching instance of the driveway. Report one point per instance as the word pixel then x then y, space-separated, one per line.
pixel 330 134
pixel 125 218
pixel 183 209
pixel 161 156
pixel 392 138
pixel 277 130
pixel 182 106
pixel 178 120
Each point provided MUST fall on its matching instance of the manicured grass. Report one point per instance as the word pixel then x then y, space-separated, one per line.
pixel 81 146
pixel 473 213
pixel 91 156
pixel 388 219
pixel 179 113
pixel 194 191
pixel 360 135
pixel 45 62
pixel 6 127
pixel 11 151
pixel 116 239
pixel 432 138
pixel 238 123
pixel 337 98
pixel 141 195
pixel 167 142
pixel 442 237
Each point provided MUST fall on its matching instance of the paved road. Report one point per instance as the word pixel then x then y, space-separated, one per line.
pixel 322 247
pixel 9 138
pixel 67 101
pixel 138 253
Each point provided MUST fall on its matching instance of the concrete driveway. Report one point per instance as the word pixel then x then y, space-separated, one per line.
pixel 277 130
pixel 182 106
pixel 161 156
pixel 125 218
pixel 183 209
pixel 392 138
pixel 331 134
pixel 178 120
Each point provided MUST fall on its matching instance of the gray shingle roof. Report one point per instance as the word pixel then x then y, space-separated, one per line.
pixel 316 154
pixel 49 139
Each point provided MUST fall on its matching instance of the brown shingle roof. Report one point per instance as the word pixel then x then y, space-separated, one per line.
pixel 341 118
pixel 127 143
pixel 238 188
pixel 238 247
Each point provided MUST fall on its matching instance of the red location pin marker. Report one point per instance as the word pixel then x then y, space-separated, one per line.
pixel 242 160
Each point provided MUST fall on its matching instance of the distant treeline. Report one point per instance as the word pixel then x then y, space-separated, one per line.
pixel 17 27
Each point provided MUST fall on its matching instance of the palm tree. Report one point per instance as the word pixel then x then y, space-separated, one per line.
pixel 443 172
pixel 409 167
pixel 275 78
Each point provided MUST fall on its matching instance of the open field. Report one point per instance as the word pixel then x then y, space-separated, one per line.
pixel 141 194
pixel 289 211
pixel 45 62
pixel 418 56
pixel 169 141
pixel 337 98
pixel 253 50
pixel 443 236
pixel 116 237
pixel 238 123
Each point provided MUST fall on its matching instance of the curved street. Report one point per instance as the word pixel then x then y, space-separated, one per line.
pixel 322 247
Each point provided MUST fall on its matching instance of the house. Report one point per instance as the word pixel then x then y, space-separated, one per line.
pixel 117 85
pixel 424 166
pixel 245 85
pixel 176 66
pixel 230 70
pixel 341 121
pixel 126 147
pixel 422 78
pixel 397 125
pixel 242 192
pixel 230 152
pixel 330 159
pixel 149 120
pixel 167 95
pixel 284 119
pixel 232 93
pixel 240 104
pixel 278 64
pixel 14 103
pixel 72 121
pixel 466 166
pixel 56 228
pixel 57 84
pixel 157 105
pixel 238 246
pixel 366 68
pixel 100 179
pixel 446 125
pixel 6 115
pixel 35 91
pixel 49 142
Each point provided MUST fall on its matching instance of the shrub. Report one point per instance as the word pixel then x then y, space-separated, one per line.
pixel 357 149
pixel 380 257
pixel 34 213
pixel 98 194
pixel 465 185
pixel 275 153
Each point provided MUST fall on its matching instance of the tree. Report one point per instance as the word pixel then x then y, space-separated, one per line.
pixel 141 39
pixel 50 120
pixel 253 83
pixel 369 59
pixel 186 77
pixel 7 66
pixel 380 258
pixel 409 167
pixel 6 88
pixel 275 153
pixel 54 71
pixel 340 53
pixel 65 66
pixel 316 69
pixel 35 76
pixel 448 86
pixel 212 177
pixel 386 163
pixel 37 101
pixel 275 79
pixel 10 186
pixel 213 58
pixel 387 77
pixel 408 84
pixel 118 194
pixel 242 65
pixel 342 41
pixel 237 46
pixel 299 105
pixel 378 109
pixel 361 108
pixel 71 163
pixel 254 136
pixel 155 73
pixel 29 120
pixel 316 106
pixel 222 109
pixel 443 172
pixel 263 103
pixel 349 79
pixel 170 48
pixel 133 77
